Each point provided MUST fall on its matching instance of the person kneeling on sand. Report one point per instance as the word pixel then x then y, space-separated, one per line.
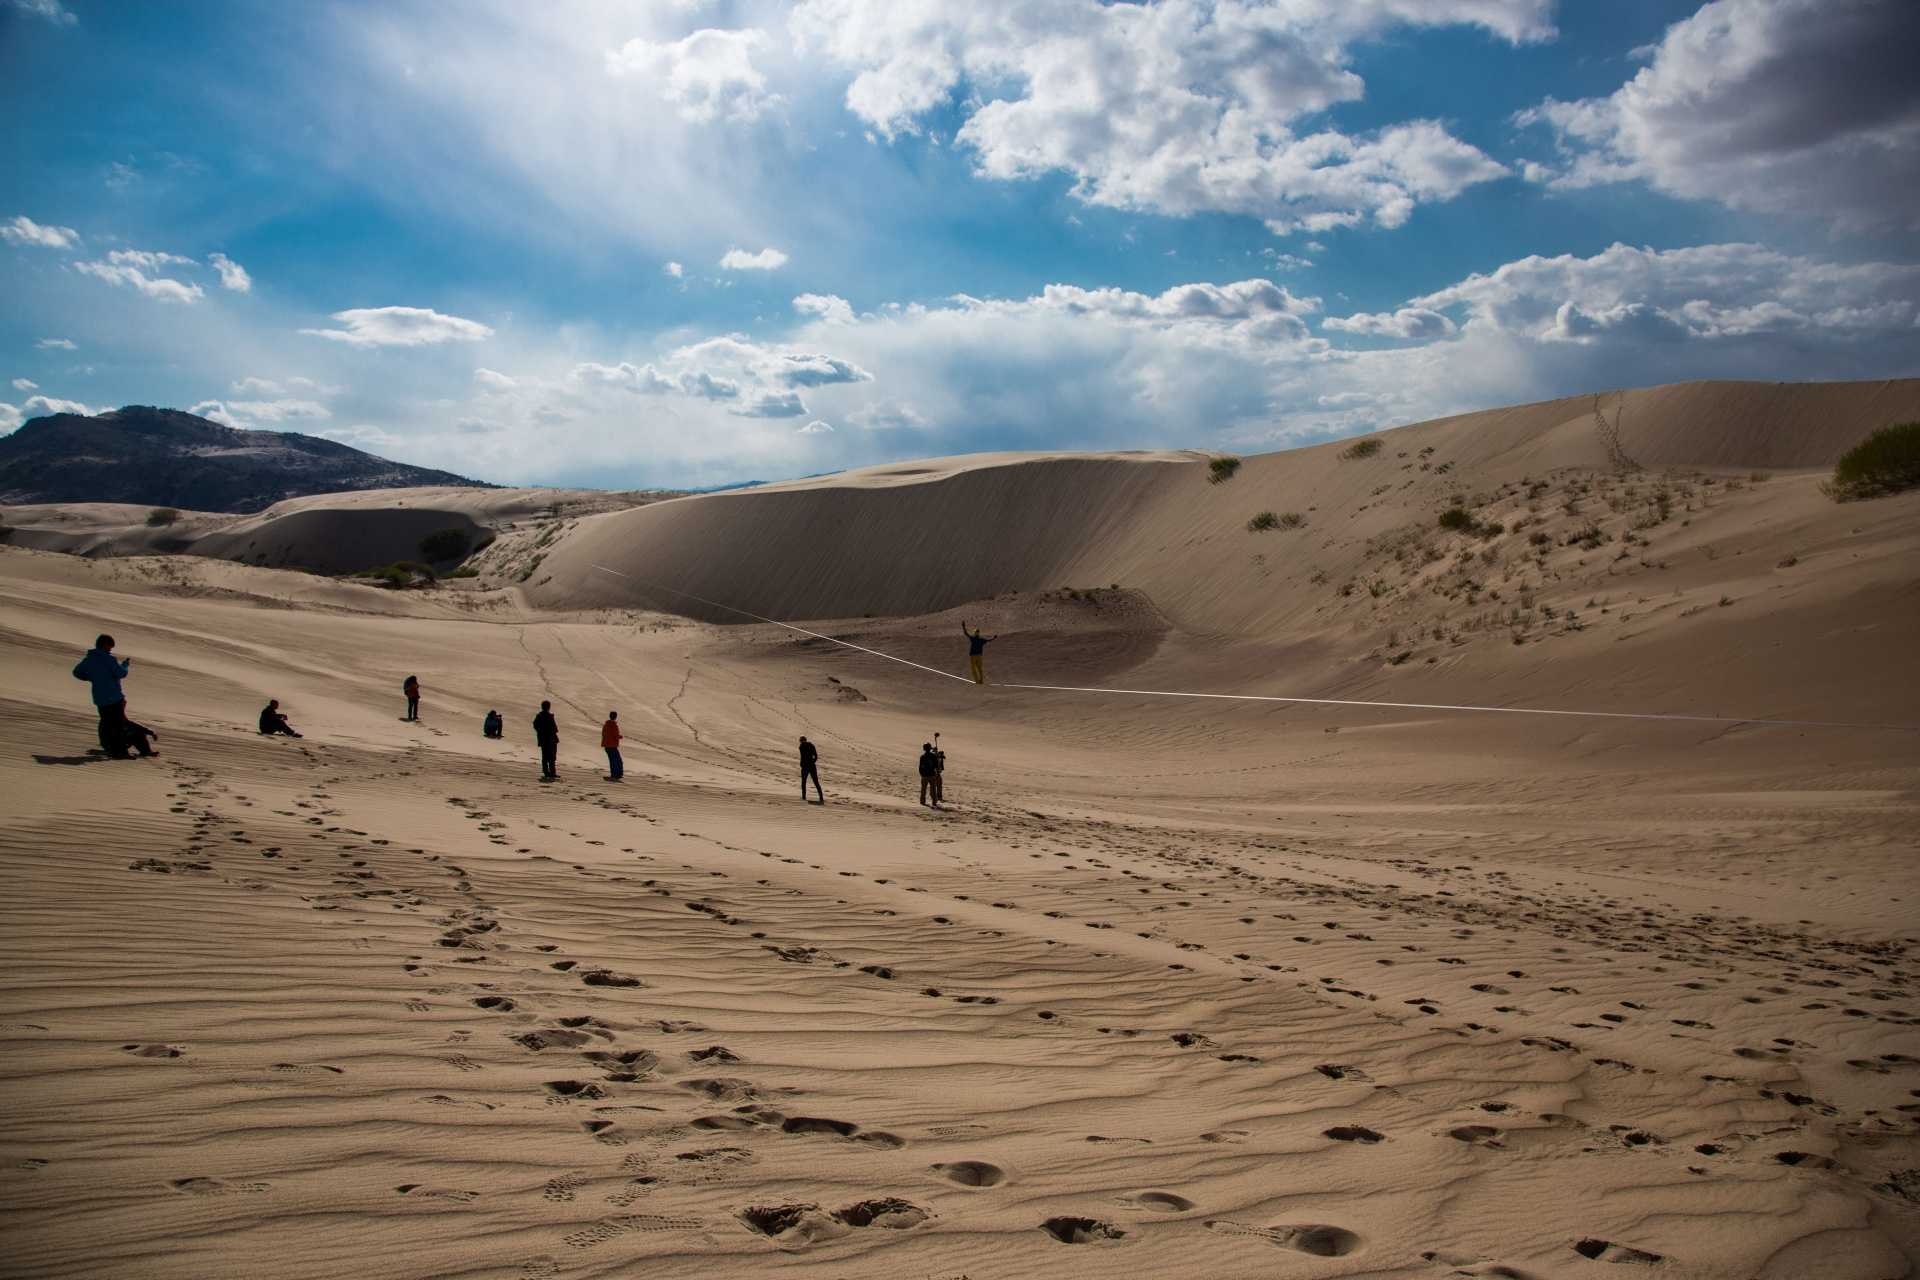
pixel 138 736
pixel 929 774
pixel 493 726
pixel 610 743
pixel 272 721
pixel 105 672
pixel 546 731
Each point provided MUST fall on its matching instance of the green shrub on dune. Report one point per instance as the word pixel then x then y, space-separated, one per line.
pixel 1887 461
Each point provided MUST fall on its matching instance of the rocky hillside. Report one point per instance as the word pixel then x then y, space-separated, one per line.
pixel 166 458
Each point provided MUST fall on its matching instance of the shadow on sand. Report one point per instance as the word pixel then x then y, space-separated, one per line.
pixel 92 757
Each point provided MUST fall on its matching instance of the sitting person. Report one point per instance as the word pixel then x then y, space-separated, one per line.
pixel 493 726
pixel 271 721
pixel 137 737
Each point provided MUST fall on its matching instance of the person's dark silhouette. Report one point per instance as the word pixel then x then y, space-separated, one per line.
pixel 810 768
pixel 610 743
pixel 929 774
pixel 493 726
pixel 137 735
pixel 976 652
pixel 272 721
pixel 411 687
pixel 105 672
pixel 546 731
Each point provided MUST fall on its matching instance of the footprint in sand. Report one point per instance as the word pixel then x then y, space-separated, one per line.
pixel 215 1187
pixel 1318 1239
pixel 1607 1251
pixel 153 1050
pixel 970 1173
pixel 1156 1202
pixel 1082 1230
pixel 1354 1133
pixel 418 1191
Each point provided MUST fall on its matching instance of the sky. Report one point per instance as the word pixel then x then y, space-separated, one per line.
pixel 694 242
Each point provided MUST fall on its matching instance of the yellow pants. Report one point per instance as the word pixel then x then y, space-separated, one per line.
pixel 979 666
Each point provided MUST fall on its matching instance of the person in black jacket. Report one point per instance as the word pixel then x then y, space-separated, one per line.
pixel 493 726
pixel 272 721
pixel 810 768
pixel 546 731
pixel 929 774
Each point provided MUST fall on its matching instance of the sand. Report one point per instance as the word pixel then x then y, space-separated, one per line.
pixel 1171 987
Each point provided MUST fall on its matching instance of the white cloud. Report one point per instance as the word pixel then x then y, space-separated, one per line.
pixel 815 428
pixel 10 417
pixel 400 327
pixel 233 276
pixel 23 230
pixel 1175 107
pixel 773 404
pixel 251 414
pixel 808 370
pixel 640 379
pixel 741 260
pixel 130 267
pixel 887 415
pixel 675 270
pixel 59 344
pixel 710 74
pixel 1805 107
pixel 52 10
pixel 23 384
pixel 1408 322
pixel 826 306
pixel 38 406
pixel 489 380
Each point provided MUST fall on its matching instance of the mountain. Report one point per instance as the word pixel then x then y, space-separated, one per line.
pixel 165 458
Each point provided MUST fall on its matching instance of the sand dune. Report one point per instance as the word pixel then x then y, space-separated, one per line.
pixel 1172 988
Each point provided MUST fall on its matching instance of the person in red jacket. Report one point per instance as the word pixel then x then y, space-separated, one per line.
pixel 610 739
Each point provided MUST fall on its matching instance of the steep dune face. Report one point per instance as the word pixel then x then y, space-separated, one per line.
pixel 905 540
pixel 887 541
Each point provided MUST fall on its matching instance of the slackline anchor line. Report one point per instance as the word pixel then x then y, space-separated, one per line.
pixel 1276 698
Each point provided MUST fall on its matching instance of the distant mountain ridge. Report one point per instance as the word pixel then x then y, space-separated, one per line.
pixel 167 458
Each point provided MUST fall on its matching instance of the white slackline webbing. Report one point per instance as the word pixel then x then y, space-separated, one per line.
pixel 1262 697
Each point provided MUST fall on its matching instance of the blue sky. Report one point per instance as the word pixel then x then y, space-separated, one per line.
pixel 696 241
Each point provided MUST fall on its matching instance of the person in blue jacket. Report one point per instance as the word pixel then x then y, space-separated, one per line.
pixel 105 672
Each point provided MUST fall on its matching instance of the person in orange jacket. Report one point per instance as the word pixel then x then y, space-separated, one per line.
pixel 610 740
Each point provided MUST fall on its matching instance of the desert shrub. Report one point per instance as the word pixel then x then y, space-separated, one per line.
pixel 1458 519
pixel 399 575
pixel 1264 521
pixel 464 573
pixel 161 516
pixel 1885 462
pixel 445 544
pixel 1491 529
pixel 1291 520
pixel 1539 537
pixel 1361 449
pixel 1220 470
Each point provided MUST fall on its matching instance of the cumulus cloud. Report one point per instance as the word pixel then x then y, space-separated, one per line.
pixel 490 380
pixel 23 230
pixel 773 404
pixel 741 260
pixel 1408 322
pixel 806 370
pixel 825 306
pixel 133 268
pixel 1807 107
pixel 23 384
pixel 39 406
pixel 640 379
pixel 674 269
pixel 10 417
pixel 400 327
pixel 1177 107
pixel 709 75
pixel 233 276
pixel 249 414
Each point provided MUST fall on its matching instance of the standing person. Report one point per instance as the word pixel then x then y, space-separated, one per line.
pixel 273 721
pixel 929 774
pixel 493 726
pixel 411 687
pixel 546 731
pixel 810 768
pixel 977 651
pixel 939 771
pixel 610 741
pixel 105 672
